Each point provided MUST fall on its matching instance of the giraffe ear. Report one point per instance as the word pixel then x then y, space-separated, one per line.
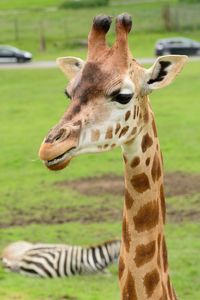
pixel 164 71
pixel 70 65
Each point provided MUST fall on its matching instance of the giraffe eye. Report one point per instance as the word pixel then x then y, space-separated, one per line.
pixel 123 98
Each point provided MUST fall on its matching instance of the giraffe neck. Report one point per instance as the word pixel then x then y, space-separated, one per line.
pixel 143 267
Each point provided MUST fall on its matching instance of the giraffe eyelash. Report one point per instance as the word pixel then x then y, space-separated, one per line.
pixel 67 94
pixel 123 98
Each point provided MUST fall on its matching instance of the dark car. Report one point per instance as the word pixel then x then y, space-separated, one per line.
pixel 12 54
pixel 177 45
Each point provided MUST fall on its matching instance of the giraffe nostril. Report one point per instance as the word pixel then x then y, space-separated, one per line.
pixel 63 133
pixel 57 135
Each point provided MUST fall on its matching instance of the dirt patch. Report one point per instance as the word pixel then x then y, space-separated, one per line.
pixel 88 214
pixel 94 186
pixel 179 216
pixel 66 297
pixel 176 184
pixel 83 214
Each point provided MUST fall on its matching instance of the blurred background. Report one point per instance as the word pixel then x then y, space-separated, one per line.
pixel 83 203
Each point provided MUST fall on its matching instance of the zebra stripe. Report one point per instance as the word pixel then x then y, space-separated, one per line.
pixel 46 260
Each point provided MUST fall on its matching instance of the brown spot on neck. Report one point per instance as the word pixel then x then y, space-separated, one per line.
pixel 145 253
pixel 164 250
pixel 162 201
pixel 129 290
pixel 128 199
pixel 147 216
pixel 126 235
pixel 156 168
pixel 147 142
pixel 135 162
pixel 147 162
pixel 121 267
pixel 151 280
pixel 140 182
pixel 158 247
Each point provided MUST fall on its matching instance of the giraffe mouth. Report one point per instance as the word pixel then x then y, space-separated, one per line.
pixel 61 161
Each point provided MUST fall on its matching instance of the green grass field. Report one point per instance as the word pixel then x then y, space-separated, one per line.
pixel 37 4
pixel 65 30
pixel 31 102
pixel 33 206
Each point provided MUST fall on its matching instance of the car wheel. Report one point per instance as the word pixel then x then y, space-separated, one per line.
pixel 20 60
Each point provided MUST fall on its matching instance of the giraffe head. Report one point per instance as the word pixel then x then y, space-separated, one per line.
pixel 108 95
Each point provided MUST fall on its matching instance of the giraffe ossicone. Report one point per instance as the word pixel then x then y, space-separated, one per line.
pixel 109 108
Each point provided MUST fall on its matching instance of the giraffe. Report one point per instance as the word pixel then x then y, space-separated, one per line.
pixel 109 108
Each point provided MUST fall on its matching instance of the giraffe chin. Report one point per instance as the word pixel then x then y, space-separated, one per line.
pixel 58 166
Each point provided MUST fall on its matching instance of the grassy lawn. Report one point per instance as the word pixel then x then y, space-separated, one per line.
pixel 31 102
pixel 184 268
pixel 65 30
pixel 33 4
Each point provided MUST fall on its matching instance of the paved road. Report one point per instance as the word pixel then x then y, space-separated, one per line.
pixel 52 64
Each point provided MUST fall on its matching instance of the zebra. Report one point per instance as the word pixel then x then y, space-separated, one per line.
pixel 59 260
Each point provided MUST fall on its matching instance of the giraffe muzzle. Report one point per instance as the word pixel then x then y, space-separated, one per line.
pixel 59 147
pixel 61 161
pixel 58 156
